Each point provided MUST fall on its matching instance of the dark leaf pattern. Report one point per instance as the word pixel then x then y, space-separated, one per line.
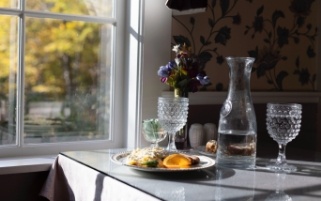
pixel 224 34
pixel 259 11
pixel 204 41
pixel 277 38
pixel 276 15
pixel 283 36
pixel 279 79
pixel 224 6
pixel 192 20
pixel 300 21
pixel 211 22
pixel 310 52
pixel 276 35
pixel 219 59
pixel 182 40
pixel 304 75
pixel 237 19
pixel 260 71
pixel 213 3
pixel 204 57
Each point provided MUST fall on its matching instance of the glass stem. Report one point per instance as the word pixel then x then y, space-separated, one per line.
pixel 281 157
pixel 171 142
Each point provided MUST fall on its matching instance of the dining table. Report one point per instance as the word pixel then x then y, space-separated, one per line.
pixel 103 175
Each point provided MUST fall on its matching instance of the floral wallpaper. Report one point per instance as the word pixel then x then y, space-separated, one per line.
pixel 281 35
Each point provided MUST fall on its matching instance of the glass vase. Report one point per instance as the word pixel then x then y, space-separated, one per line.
pixel 237 130
pixel 181 137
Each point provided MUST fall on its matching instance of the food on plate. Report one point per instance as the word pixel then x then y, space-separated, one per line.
pixel 211 146
pixel 179 160
pixel 157 157
pixel 147 157
pixel 194 159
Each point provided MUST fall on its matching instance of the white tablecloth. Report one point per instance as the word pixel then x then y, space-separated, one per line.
pixel 69 180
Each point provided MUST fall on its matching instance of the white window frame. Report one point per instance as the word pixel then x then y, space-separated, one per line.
pixel 117 93
pixel 136 84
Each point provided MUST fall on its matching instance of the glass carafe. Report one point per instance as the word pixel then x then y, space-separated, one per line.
pixel 237 130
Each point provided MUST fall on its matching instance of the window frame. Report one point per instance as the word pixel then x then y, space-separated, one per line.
pixel 117 89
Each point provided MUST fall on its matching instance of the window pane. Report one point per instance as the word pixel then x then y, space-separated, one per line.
pixel 8 63
pixel 66 80
pixel 102 8
pixel 9 3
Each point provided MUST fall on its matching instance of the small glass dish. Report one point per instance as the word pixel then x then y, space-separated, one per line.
pixel 153 132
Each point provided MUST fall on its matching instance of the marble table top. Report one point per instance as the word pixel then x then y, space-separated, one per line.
pixel 212 183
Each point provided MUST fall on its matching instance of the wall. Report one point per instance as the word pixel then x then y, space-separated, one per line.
pixel 156 43
pixel 284 38
pixel 159 31
pixel 281 35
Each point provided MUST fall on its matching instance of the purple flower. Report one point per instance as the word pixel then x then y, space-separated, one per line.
pixel 163 71
pixel 171 65
pixel 204 80
pixel 164 79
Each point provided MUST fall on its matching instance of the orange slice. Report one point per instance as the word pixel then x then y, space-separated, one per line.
pixel 177 161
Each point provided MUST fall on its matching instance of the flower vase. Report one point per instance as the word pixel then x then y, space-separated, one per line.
pixel 181 137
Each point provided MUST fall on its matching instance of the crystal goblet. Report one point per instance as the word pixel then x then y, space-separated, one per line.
pixel 283 122
pixel 153 132
pixel 172 115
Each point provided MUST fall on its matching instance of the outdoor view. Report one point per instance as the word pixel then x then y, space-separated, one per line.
pixel 66 71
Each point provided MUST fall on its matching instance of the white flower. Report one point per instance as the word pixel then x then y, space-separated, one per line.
pixel 176 48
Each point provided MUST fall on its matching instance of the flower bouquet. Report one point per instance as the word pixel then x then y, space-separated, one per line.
pixel 184 73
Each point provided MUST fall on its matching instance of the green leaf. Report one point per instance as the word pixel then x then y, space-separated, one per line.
pixel 152 163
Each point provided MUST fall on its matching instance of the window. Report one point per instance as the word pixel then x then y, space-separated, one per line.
pixel 58 72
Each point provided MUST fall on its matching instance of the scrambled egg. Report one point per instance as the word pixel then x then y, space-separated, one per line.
pixel 147 157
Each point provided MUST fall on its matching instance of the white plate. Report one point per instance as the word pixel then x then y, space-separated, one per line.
pixel 205 162
pixel 202 150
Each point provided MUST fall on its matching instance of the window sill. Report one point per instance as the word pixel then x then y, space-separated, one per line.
pixel 18 165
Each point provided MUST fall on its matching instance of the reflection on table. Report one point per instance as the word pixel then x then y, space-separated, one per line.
pixel 91 175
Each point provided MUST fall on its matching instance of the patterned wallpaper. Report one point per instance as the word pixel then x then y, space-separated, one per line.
pixel 281 35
